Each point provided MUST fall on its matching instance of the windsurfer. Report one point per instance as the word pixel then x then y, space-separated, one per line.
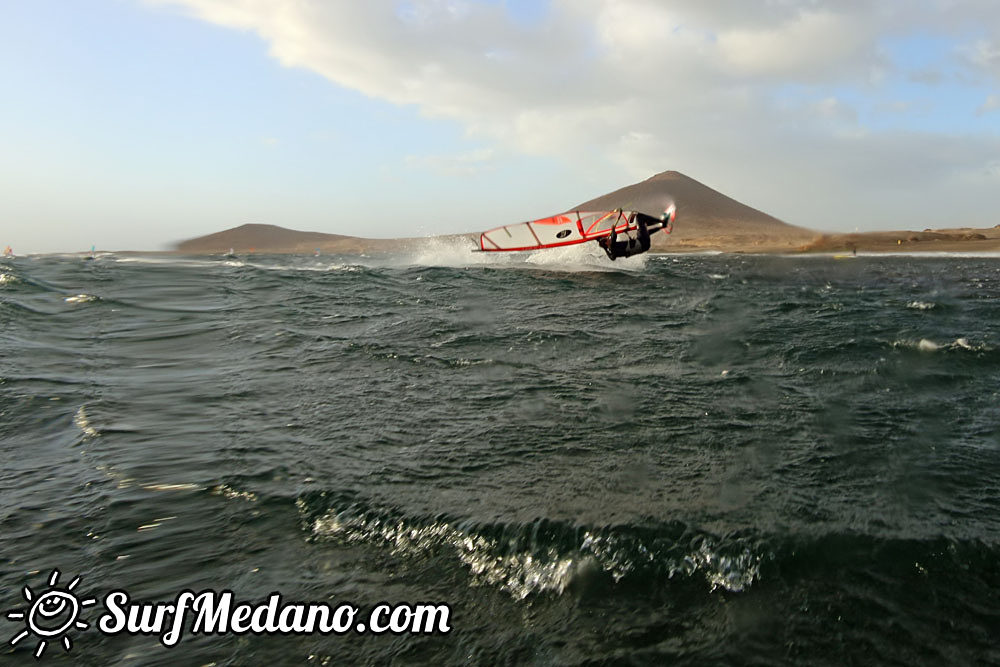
pixel 631 246
pixel 620 233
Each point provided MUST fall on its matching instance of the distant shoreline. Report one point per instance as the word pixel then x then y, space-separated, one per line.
pixel 707 221
pixel 958 240
pixel 940 241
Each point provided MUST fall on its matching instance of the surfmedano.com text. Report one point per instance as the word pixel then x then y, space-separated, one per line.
pixel 212 613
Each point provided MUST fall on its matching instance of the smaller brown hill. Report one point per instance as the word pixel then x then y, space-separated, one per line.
pixel 271 238
pixel 706 218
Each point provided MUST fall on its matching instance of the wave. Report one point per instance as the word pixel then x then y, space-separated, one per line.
pixel 546 556
pixel 461 253
pixel 80 298
pixel 927 345
pixel 262 262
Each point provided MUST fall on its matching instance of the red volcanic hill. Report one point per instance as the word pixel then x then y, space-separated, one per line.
pixel 706 218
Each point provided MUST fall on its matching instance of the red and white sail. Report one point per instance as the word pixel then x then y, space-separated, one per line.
pixel 557 231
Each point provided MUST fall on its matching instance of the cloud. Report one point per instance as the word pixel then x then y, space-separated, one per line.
pixel 985 54
pixel 991 104
pixel 746 94
pixel 811 46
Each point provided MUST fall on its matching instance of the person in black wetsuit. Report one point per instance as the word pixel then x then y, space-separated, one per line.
pixel 629 246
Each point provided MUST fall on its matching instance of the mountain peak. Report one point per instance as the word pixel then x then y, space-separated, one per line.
pixel 669 176
pixel 703 214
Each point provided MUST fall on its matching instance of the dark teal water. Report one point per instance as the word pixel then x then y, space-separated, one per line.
pixel 678 460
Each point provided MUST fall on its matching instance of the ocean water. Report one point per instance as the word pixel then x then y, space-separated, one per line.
pixel 686 460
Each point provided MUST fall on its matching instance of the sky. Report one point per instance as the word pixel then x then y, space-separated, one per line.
pixel 134 124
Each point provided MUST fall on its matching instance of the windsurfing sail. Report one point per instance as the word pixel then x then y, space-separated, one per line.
pixel 555 232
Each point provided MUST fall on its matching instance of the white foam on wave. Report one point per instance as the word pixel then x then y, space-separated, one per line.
pixel 927 345
pixel 585 257
pixel 966 345
pixel 317 267
pixel 521 573
pixel 80 298
pixel 462 253
pixel 298 263
pixel 166 260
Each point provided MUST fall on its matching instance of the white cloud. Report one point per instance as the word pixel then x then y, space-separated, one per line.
pixel 985 54
pixel 685 84
pixel 992 103
pixel 812 45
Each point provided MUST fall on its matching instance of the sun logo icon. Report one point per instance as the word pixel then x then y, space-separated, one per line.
pixel 51 615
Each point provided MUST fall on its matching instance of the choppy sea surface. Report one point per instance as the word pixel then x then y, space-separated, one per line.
pixel 684 460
